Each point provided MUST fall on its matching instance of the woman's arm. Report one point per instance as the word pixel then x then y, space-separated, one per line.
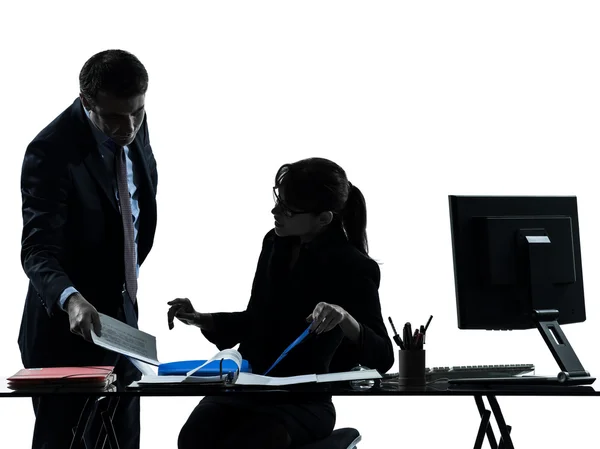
pixel 351 328
pixel 367 341
pixel 227 329
pixel 224 329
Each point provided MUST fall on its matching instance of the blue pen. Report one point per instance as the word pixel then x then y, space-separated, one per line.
pixel 289 348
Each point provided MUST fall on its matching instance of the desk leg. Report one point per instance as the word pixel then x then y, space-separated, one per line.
pixel 107 430
pixel 484 425
pixel 78 441
pixel 486 428
pixel 505 439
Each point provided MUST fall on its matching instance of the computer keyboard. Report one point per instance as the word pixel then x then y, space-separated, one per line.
pixel 471 372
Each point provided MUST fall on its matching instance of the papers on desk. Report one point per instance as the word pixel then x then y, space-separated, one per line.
pixel 140 347
pixel 247 379
pixel 255 379
pixel 129 341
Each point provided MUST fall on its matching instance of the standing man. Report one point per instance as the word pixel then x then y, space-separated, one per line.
pixel 88 185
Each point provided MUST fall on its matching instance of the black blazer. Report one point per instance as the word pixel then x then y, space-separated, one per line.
pixel 73 234
pixel 328 269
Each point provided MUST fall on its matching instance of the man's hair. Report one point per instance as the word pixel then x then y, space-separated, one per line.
pixel 116 72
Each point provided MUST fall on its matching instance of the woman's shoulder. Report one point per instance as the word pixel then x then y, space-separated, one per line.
pixel 349 260
pixel 272 242
pixel 269 236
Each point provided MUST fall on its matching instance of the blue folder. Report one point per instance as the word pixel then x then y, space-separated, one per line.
pixel 211 369
pixel 228 367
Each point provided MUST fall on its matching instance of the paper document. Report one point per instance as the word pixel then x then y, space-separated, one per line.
pixel 124 339
pixel 254 379
pixel 153 379
pixel 227 354
pixel 230 354
pixel 349 375
pixel 143 367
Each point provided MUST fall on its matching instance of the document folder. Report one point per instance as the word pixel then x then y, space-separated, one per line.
pixel 214 368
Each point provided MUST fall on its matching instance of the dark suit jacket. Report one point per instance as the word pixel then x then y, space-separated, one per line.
pixel 328 269
pixel 73 234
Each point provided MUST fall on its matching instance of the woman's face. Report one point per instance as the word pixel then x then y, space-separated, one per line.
pixel 290 221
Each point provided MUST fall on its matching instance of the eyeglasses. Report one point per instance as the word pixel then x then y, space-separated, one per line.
pixel 286 210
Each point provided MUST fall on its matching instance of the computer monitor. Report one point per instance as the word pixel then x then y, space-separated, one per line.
pixel 517 265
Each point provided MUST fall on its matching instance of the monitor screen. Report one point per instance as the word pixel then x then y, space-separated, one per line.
pixel 514 255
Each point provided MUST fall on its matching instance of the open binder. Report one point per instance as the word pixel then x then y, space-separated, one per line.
pixel 233 370
pixel 238 377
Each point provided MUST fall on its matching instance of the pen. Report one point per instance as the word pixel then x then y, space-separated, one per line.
pixel 408 336
pixel 419 341
pixel 422 332
pixel 397 338
pixel 427 325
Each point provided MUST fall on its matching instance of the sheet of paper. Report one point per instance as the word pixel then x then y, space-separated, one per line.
pixel 143 367
pixel 256 379
pixel 230 354
pixel 174 380
pixel 349 375
pixel 267 381
pixel 124 339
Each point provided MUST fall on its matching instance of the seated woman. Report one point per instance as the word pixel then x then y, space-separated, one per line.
pixel 313 267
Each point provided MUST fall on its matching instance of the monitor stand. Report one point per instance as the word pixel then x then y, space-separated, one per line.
pixel 546 321
pixel 572 372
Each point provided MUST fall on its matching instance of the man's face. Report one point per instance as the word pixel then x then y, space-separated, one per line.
pixel 118 118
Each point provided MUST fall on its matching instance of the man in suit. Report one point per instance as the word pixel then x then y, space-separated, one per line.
pixel 88 186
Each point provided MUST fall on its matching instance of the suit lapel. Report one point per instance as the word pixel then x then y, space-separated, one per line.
pixel 94 163
pixel 91 153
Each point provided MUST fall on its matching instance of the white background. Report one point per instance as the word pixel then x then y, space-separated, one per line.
pixel 416 100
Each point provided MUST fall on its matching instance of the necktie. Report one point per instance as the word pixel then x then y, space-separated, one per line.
pixel 127 218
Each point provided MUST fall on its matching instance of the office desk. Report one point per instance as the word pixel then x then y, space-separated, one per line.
pixel 111 400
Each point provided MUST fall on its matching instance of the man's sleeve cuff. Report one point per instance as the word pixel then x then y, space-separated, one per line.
pixel 65 295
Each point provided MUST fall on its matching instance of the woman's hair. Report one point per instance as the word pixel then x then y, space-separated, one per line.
pixel 317 185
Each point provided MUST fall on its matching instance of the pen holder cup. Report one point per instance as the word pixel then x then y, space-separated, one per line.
pixel 411 370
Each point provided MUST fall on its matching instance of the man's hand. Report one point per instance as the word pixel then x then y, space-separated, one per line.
pixel 182 309
pixel 325 317
pixel 83 317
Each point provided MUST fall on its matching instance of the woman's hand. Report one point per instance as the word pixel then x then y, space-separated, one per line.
pixel 182 309
pixel 325 317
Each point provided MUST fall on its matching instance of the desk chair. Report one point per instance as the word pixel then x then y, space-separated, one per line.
pixel 346 438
